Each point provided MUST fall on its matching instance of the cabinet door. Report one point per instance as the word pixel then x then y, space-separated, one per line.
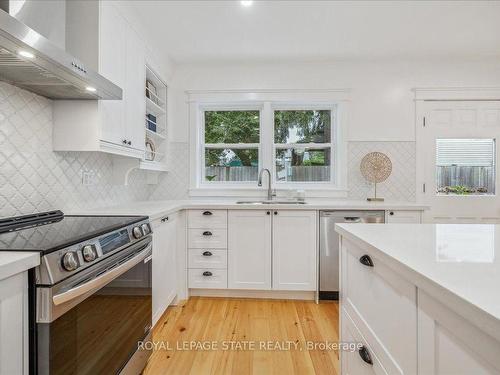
pixel 403 217
pixel 164 264
pixel 448 344
pixel 294 250
pixel 13 324
pixel 249 249
pixel 135 85
pixel 112 65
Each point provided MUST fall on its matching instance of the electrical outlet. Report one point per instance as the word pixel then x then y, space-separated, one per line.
pixel 88 178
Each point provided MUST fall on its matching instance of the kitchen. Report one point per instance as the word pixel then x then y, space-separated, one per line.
pixel 251 201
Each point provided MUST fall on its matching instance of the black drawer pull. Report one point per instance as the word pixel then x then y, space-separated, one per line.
pixel 366 260
pixel 207 254
pixel 164 219
pixel 207 233
pixel 207 213
pixel 365 355
pixel 207 273
pixel 268 213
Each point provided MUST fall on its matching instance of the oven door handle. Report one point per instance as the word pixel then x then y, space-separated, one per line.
pixel 102 280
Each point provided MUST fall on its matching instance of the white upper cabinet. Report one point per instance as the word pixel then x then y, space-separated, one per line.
pixel 249 249
pixel 113 64
pixel 294 250
pixel 134 89
pixel 104 41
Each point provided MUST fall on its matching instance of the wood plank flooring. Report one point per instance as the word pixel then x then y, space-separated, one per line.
pixel 245 336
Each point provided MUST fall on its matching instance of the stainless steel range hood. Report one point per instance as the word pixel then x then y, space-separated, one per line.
pixel 32 62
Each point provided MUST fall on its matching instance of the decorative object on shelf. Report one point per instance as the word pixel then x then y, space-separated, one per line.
pixel 376 167
pixel 151 122
pixel 149 154
pixel 151 92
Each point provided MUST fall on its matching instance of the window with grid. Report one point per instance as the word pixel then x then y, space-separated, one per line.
pixel 231 146
pixel 303 145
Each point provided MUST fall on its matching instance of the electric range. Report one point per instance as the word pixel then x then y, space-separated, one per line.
pixel 90 297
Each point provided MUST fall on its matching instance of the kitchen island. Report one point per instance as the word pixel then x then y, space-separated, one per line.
pixel 422 298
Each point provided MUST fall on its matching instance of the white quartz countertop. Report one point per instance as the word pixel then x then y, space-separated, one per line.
pixel 156 209
pixel 14 262
pixel 453 261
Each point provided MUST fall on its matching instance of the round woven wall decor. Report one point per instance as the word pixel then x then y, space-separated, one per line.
pixel 376 167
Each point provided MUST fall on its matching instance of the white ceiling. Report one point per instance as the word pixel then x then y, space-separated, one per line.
pixel 225 31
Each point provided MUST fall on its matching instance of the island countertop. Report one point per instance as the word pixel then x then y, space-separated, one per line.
pixel 458 263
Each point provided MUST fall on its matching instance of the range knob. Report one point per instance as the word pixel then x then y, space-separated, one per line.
pixel 137 232
pixel 89 253
pixel 70 261
pixel 146 229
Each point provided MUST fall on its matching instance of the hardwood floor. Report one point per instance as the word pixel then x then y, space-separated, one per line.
pixel 278 330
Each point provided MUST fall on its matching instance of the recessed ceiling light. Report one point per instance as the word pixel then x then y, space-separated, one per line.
pixel 91 89
pixel 26 54
pixel 246 3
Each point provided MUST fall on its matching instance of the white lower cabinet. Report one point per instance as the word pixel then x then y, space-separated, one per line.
pixel 405 329
pixel 448 344
pixel 249 249
pixel 164 264
pixel 360 360
pixel 257 250
pixel 403 217
pixel 294 250
pixel 14 324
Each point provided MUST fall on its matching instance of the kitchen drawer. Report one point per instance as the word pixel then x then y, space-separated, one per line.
pixel 207 258
pixel 403 217
pixel 383 306
pixel 207 238
pixel 352 362
pixel 207 278
pixel 207 219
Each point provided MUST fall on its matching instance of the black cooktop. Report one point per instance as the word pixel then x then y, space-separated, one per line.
pixel 47 235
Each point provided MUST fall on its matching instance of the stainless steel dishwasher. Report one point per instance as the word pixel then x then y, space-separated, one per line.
pixel 329 246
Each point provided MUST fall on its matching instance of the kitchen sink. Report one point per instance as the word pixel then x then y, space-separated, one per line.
pixel 271 202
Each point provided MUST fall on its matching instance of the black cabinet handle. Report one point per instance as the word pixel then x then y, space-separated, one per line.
pixel 207 233
pixel 207 213
pixel 268 213
pixel 207 273
pixel 207 254
pixel 391 213
pixel 365 355
pixel 366 260
pixel 276 212
pixel 124 141
pixel 129 143
pixel 164 219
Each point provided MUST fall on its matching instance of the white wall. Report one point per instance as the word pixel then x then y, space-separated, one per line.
pixel 382 101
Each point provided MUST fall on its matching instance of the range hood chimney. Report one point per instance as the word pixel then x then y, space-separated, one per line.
pixel 32 62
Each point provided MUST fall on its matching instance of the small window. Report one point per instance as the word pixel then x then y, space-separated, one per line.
pixel 465 166
pixel 303 145
pixel 231 148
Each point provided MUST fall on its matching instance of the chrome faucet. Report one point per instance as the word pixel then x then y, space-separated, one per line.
pixel 271 193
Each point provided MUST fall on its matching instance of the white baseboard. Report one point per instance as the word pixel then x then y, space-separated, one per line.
pixel 268 294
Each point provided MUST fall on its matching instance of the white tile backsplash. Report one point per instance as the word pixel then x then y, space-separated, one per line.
pixel 34 178
pixel 400 185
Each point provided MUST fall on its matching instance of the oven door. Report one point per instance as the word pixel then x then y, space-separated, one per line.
pixel 92 323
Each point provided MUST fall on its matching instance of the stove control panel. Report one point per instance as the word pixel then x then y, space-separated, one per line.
pixel 62 263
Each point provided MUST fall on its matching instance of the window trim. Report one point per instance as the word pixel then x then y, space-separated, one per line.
pixel 266 101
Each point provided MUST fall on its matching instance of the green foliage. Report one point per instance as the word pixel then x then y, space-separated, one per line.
pixel 310 126
pixel 232 127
